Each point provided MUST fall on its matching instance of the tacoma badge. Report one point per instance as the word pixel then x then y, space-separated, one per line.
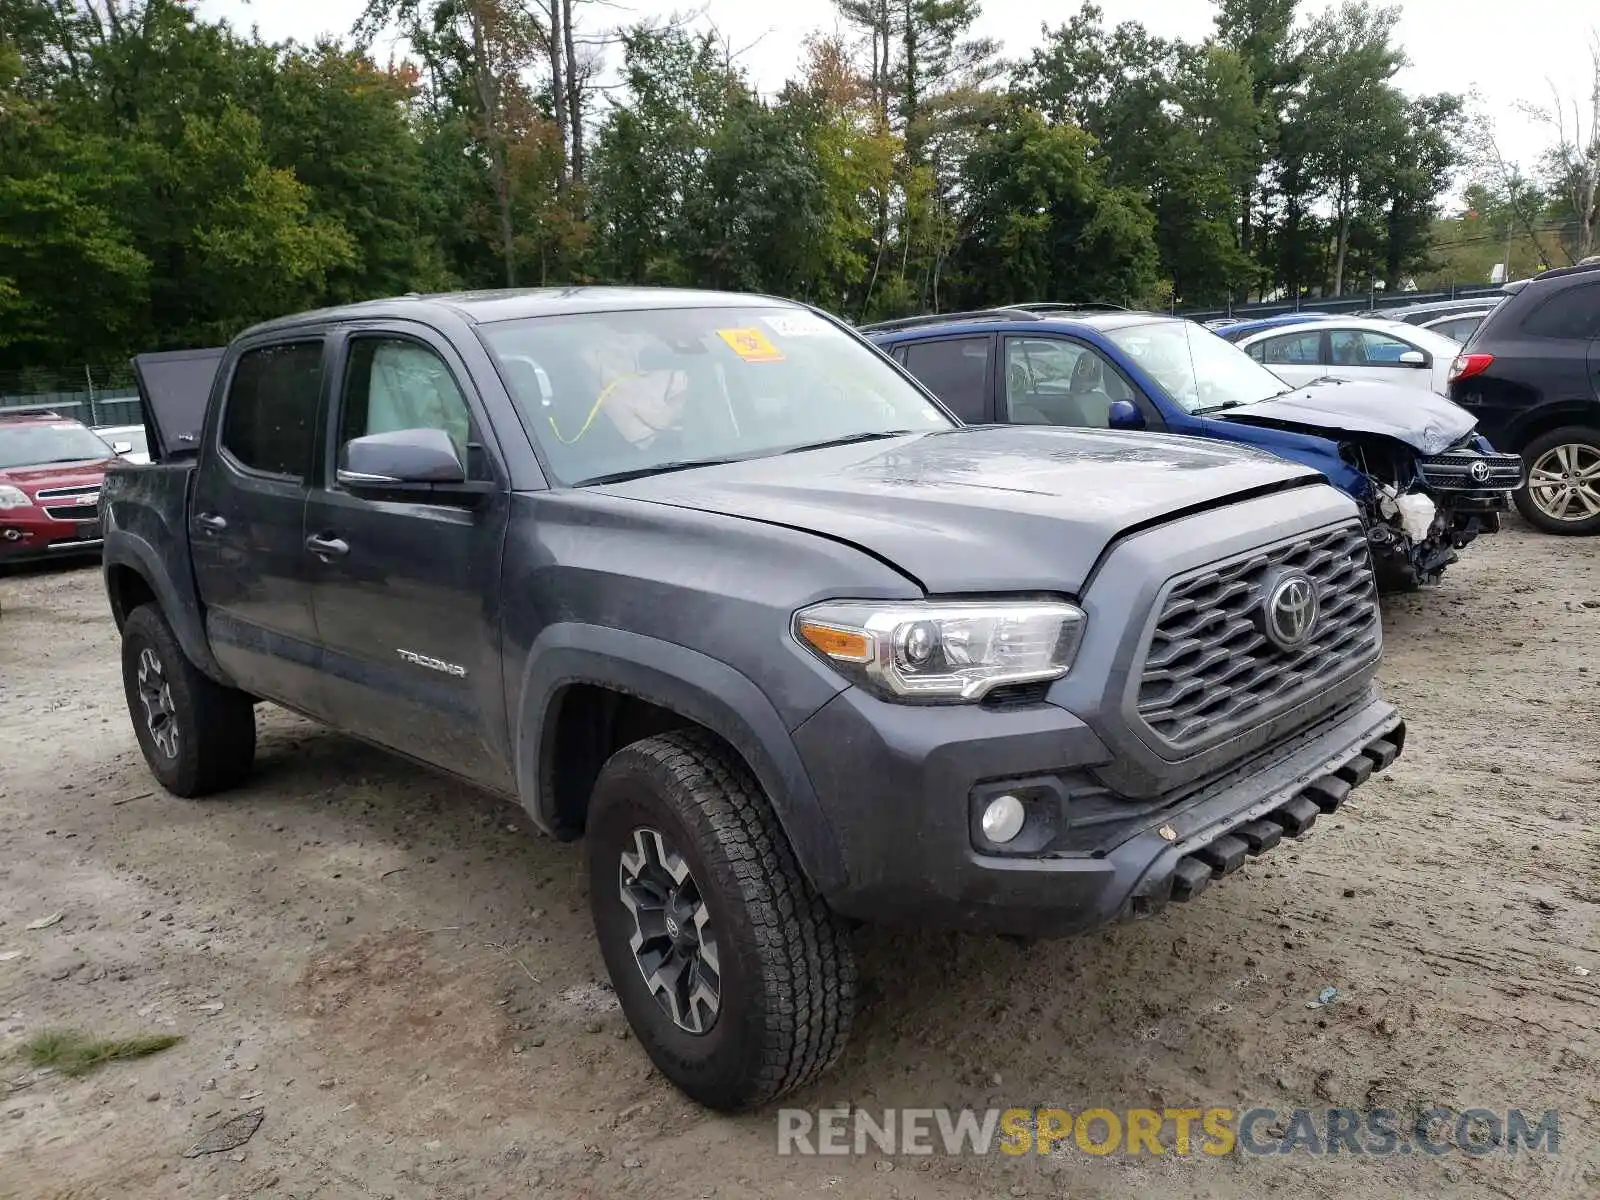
pixel 433 664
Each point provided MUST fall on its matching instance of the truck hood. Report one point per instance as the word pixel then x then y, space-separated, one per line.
pixel 993 508
pixel 1425 421
pixel 53 475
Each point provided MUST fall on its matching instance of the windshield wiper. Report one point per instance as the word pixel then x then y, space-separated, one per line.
pixel 657 469
pixel 1200 412
pixel 850 439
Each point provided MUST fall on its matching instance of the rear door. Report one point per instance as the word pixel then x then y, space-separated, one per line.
pixel 1296 358
pixel 960 371
pixel 406 594
pixel 246 521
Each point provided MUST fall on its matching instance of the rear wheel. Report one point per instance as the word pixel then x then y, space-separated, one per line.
pixel 197 736
pixel 1563 490
pixel 735 976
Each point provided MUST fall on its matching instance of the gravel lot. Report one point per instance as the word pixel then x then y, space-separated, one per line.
pixel 402 974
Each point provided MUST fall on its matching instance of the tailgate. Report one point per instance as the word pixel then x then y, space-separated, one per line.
pixel 175 387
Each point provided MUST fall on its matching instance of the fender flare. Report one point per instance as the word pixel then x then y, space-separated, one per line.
pixel 181 607
pixel 693 685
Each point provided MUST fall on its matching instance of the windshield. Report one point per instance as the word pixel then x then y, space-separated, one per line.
pixel 36 445
pixel 1197 369
pixel 639 391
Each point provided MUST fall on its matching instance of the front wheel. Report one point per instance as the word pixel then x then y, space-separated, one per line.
pixel 737 979
pixel 197 736
pixel 1563 490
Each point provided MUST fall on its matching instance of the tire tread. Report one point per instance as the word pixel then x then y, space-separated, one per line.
pixel 219 751
pixel 808 967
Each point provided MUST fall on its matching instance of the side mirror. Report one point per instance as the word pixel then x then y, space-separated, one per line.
pixel 1413 358
pixel 1124 414
pixel 408 464
pixel 121 448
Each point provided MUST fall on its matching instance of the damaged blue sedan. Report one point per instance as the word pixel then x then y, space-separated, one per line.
pixel 1426 481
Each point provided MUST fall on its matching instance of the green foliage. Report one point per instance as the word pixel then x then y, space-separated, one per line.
pixel 166 180
pixel 75 1054
pixel 1044 221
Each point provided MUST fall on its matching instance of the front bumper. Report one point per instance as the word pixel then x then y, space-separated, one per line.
pixel 903 786
pixel 29 534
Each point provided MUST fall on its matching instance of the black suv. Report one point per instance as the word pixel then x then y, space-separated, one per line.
pixel 1530 375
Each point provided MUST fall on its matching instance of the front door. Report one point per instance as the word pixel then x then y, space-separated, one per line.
pixel 407 594
pixel 1376 357
pixel 246 522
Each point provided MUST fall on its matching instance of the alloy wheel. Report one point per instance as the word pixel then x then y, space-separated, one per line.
pixel 155 693
pixel 673 941
pixel 1565 482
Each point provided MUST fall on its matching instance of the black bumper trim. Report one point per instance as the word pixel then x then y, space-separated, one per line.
pixel 1225 850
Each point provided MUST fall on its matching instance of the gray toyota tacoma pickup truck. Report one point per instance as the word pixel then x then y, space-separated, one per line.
pixel 714 583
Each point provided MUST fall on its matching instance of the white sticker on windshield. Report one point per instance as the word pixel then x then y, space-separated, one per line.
pixel 796 324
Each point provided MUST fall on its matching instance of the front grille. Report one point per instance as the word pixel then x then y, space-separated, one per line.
pixel 1452 472
pixel 61 493
pixel 1210 670
pixel 73 512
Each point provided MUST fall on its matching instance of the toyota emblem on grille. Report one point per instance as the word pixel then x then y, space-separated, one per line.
pixel 1479 471
pixel 1290 612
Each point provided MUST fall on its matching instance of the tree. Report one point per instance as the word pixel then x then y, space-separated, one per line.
pixel 1042 221
pixel 1260 33
pixel 1572 165
pixel 1173 122
pixel 1420 168
pixel 1351 111
pixel 650 154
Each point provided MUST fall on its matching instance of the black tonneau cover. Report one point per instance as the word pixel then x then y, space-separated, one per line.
pixel 175 387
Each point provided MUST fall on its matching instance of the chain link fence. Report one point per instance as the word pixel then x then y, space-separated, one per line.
pixel 95 395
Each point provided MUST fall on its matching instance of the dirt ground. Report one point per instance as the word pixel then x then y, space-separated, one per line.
pixel 401 973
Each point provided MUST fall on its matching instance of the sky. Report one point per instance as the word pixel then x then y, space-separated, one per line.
pixel 1505 52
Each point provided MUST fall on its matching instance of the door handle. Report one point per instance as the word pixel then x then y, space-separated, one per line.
pixel 211 521
pixel 327 547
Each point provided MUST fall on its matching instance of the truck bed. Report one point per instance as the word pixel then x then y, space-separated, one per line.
pixel 145 508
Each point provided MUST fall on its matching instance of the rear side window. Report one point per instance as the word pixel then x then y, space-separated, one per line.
pixel 957 371
pixel 1570 313
pixel 271 409
pixel 1292 349
pixel 1459 328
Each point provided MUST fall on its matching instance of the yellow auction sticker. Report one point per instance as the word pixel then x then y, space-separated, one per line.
pixel 751 345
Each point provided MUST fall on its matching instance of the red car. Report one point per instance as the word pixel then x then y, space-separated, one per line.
pixel 50 474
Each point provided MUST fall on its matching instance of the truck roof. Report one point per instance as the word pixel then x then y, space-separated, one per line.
pixel 509 304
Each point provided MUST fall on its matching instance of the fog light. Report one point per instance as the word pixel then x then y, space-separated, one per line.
pixel 1002 819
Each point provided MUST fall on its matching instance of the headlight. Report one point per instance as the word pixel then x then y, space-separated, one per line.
pixel 11 497
pixel 939 650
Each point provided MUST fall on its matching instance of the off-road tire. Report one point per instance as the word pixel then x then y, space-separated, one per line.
pixel 1571 435
pixel 215 725
pixel 788 976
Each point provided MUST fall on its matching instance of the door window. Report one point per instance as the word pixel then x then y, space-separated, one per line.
pixel 1290 350
pixel 1458 328
pixel 1363 348
pixel 957 371
pixel 1053 381
pixel 393 384
pixel 1571 313
pixel 271 409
